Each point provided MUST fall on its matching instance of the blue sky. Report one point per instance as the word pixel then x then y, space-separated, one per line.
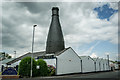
pixel 105 12
pixel 100 49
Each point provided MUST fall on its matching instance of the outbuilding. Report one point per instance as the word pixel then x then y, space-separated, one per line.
pixel 67 61
pixel 88 64
pixel 102 64
pixel 97 64
pixel 107 66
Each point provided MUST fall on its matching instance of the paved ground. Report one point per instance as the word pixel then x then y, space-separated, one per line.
pixel 115 75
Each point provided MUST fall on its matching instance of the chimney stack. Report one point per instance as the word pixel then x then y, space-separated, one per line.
pixel 55 40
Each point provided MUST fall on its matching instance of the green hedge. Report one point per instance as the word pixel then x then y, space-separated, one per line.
pixel 43 71
pixel 25 67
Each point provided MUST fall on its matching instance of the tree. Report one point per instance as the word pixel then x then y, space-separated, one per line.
pixel 25 67
pixel 9 57
pixel 4 56
pixel 43 71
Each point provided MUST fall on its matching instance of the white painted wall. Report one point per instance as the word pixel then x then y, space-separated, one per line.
pixel 51 62
pixel 106 65
pixel 87 64
pixel 102 66
pixel 97 64
pixel 68 62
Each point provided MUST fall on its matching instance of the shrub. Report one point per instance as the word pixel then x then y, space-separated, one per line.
pixel 43 71
pixel 25 67
pixel 51 70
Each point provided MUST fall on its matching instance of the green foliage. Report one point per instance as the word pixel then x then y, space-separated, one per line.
pixel 43 71
pixel 25 67
pixel 4 56
pixel 9 57
pixel 112 61
pixel 51 70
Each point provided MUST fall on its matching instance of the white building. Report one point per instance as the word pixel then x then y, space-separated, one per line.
pixel 88 64
pixel 106 64
pixel 102 65
pixel 51 62
pixel 97 64
pixel 67 62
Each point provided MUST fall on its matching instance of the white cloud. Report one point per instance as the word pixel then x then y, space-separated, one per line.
pixel 93 55
pixel 107 53
pixel 114 5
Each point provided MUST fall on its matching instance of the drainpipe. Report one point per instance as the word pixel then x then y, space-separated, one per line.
pixel 81 67
pixel 95 66
pixel 99 67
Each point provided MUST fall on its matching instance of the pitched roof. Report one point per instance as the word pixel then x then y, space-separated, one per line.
pixel 100 59
pixel 7 60
pixel 60 52
pixel 35 54
pixel 95 59
pixel 86 56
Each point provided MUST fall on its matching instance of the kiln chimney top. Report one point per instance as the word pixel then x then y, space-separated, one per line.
pixel 55 11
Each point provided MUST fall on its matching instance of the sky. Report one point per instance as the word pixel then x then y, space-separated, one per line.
pixel 90 28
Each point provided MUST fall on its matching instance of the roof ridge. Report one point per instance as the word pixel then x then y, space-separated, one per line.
pixel 62 51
